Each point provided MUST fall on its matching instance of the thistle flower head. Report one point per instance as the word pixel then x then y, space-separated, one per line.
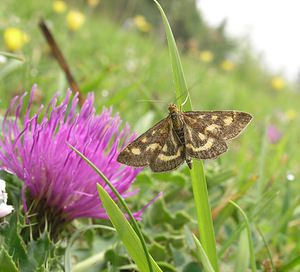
pixel 57 182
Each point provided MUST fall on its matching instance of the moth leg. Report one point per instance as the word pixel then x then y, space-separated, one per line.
pixel 188 161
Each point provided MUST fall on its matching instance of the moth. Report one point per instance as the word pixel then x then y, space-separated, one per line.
pixel 182 136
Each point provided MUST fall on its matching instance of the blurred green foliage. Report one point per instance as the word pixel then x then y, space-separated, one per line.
pixel 130 70
pixel 186 20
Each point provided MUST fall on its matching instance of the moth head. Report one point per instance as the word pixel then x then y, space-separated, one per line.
pixel 173 108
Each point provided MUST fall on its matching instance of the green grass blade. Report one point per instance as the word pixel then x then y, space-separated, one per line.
pixel 10 67
pixel 205 224
pixel 12 56
pixel 262 204
pixel 251 248
pixel 291 265
pixel 242 257
pixel 267 248
pixel 90 262
pixel 203 257
pixel 126 232
pixel 178 75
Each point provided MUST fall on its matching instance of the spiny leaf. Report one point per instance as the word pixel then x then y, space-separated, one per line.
pixel 7 263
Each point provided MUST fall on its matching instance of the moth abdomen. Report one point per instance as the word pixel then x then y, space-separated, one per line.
pixel 189 162
pixel 180 135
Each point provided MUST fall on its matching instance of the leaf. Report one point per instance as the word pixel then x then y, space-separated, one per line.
pixel 12 56
pixel 68 253
pixel 250 243
pixel 192 267
pixel 39 251
pixel 178 75
pixel 13 239
pixel 158 251
pixel 242 258
pixel 262 205
pixel 159 214
pixel 10 67
pixel 167 267
pixel 126 232
pixel 291 265
pixel 205 224
pixel 202 256
pixel 7 263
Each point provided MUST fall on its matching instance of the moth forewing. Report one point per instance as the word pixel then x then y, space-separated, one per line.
pixel 140 152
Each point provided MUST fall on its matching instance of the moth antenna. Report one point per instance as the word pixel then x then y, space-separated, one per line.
pixel 149 100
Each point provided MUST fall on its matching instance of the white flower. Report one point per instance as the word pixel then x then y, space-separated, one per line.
pixel 4 209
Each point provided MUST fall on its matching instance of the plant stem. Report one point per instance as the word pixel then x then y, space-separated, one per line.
pixel 205 223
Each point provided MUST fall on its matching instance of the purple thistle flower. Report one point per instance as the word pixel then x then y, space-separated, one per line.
pixel 273 134
pixel 57 182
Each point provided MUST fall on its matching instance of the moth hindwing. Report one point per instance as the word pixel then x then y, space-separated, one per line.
pixel 182 136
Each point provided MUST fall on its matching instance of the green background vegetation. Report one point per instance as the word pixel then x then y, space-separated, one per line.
pixel 130 70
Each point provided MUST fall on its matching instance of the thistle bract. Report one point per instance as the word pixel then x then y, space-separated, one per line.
pixel 58 184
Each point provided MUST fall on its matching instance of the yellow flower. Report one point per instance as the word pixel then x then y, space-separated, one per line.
pixel 141 23
pixel 59 6
pixel 277 83
pixel 206 56
pixel 15 38
pixel 75 19
pixel 227 65
pixel 93 3
pixel 290 114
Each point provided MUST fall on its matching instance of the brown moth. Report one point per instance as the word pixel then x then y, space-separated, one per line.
pixel 182 136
